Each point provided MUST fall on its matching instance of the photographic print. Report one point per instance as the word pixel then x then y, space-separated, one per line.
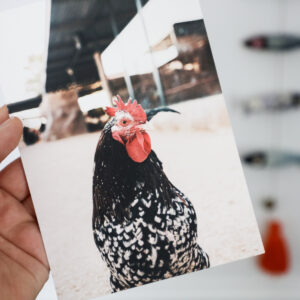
pixel 128 149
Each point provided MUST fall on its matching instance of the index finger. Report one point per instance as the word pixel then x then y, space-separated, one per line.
pixel 3 114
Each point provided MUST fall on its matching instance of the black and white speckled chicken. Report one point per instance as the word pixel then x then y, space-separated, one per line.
pixel 144 227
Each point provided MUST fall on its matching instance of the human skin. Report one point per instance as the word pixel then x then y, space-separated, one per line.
pixel 24 266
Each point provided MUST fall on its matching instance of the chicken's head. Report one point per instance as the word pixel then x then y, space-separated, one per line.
pixel 127 128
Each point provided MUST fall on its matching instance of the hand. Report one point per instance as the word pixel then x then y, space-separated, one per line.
pixel 23 263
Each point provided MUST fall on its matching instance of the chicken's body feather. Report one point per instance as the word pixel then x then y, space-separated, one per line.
pixel 144 227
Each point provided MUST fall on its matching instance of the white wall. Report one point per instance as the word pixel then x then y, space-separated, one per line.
pixel 244 73
pixel 289 188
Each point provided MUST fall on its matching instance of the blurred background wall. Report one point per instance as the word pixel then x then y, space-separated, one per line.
pixel 246 73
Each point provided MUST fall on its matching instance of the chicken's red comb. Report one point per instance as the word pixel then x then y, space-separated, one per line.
pixel 133 108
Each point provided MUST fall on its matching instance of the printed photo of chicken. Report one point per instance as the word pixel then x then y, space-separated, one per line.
pixel 144 227
pixel 128 150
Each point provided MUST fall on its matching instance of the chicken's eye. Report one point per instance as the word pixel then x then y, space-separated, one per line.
pixel 124 122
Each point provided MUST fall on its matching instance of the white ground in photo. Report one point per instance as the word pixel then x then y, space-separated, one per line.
pixel 201 162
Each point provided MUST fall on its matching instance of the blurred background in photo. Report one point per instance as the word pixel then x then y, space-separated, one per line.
pixel 98 49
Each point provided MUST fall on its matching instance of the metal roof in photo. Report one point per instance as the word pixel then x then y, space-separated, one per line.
pixel 78 29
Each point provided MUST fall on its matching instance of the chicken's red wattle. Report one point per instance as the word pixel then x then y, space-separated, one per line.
pixel 139 146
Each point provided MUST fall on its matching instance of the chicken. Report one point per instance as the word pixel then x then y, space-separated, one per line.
pixel 144 227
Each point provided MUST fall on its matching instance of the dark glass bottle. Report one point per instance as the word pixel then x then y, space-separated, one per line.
pixel 276 42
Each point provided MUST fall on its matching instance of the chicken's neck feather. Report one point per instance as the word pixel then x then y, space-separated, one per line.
pixel 118 180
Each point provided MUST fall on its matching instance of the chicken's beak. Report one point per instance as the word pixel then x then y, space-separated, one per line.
pixel 117 137
pixel 143 126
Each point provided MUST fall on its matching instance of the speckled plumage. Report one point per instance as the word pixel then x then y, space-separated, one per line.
pixel 144 227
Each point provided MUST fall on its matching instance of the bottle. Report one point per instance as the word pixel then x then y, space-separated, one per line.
pixel 276 259
pixel 273 102
pixel 275 42
pixel 271 158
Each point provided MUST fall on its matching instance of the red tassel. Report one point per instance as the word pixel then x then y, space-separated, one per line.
pixel 276 260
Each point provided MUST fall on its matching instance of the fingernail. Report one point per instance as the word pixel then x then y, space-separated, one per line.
pixel 3 109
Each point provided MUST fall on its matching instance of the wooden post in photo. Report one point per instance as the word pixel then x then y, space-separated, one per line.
pixel 114 27
pixel 102 75
pixel 155 71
